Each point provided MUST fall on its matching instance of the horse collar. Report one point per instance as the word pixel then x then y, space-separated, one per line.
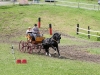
pixel 53 39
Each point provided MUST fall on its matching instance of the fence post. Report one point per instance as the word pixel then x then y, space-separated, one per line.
pixel 39 22
pixel 50 29
pixel 54 2
pixel 77 29
pixel 94 6
pixel 88 32
pixel 98 7
pixel 78 5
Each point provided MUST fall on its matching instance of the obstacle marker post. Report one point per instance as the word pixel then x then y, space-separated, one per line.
pixel 39 22
pixel 13 52
pixel 50 29
pixel 77 29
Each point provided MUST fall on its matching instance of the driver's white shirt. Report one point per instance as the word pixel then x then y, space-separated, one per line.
pixel 28 31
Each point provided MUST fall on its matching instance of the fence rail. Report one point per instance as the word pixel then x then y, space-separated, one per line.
pixel 64 3
pixel 88 30
pixel 79 5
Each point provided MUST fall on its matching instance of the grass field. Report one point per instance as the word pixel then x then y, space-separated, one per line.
pixel 14 21
pixel 40 64
pixel 65 20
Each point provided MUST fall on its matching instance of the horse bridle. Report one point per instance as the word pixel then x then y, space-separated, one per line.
pixel 53 39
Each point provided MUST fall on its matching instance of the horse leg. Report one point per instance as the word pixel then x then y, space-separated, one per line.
pixel 54 49
pixel 47 52
pixel 58 51
pixel 55 52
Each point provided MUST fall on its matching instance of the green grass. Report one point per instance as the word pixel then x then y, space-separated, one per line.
pixel 94 50
pixel 39 64
pixel 69 41
pixel 17 17
pixel 15 20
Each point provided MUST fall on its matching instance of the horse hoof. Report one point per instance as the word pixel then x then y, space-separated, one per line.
pixel 50 55
pixel 46 54
pixel 59 56
pixel 55 52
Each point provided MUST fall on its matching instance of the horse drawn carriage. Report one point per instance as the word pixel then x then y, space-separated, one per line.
pixel 39 43
pixel 31 44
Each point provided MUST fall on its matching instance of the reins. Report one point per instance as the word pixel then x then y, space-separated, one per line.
pixel 53 39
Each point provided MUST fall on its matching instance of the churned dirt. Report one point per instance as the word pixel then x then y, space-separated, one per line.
pixel 72 52
pixel 80 52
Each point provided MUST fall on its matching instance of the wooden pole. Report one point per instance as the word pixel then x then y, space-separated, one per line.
pixel 39 22
pixel 77 29
pixel 50 29
pixel 88 32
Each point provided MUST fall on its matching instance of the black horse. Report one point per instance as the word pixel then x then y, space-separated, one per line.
pixel 52 42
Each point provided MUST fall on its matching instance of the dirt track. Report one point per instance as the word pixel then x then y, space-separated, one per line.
pixel 79 52
pixel 72 52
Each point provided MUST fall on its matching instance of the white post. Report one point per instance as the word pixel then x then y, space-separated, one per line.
pixel 98 7
pixel 78 5
pixel 54 2
pixel 13 52
pixel 94 6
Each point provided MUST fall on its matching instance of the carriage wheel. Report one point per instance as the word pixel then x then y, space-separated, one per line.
pixel 37 47
pixel 22 46
pixel 29 48
pixel 40 47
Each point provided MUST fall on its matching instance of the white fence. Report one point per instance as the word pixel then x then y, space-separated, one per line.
pixel 79 5
pixel 88 6
pixel 88 30
pixel 92 6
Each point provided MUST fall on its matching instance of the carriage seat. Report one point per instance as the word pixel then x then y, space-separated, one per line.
pixel 39 39
pixel 31 38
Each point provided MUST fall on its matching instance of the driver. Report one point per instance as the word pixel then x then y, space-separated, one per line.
pixel 35 31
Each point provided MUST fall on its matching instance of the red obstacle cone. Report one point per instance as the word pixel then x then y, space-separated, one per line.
pixel 24 61
pixel 18 61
